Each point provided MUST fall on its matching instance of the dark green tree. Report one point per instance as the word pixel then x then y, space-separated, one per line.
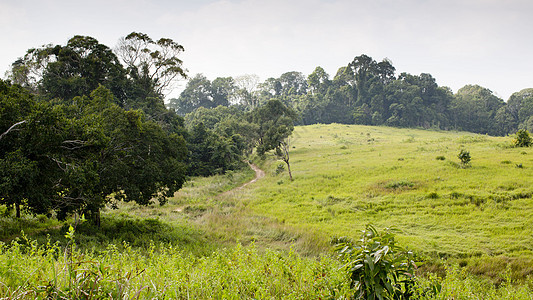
pixel 73 70
pixel 76 156
pixel 118 155
pixel 318 82
pixel 197 93
pixel 31 134
pixel 474 109
pixel 275 122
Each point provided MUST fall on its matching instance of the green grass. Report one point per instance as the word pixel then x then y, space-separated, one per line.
pixel 348 176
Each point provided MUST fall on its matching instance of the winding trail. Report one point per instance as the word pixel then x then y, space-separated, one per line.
pixel 258 175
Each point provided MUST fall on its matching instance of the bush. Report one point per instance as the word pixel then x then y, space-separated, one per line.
pixel 522 139
pixel 377 267
pixel 465 157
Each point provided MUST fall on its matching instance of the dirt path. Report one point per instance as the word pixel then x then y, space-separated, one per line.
pixel 258 175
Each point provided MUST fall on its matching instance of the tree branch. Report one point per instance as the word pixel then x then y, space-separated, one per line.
pixel 11 128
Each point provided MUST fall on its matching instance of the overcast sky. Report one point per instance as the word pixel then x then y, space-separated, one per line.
pixel 485 42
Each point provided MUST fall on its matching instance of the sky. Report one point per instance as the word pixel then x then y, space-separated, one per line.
pixel 459 42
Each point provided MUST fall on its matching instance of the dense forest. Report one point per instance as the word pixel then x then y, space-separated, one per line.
pixel 366 92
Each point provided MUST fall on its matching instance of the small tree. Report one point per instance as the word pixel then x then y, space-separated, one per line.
pixel 465 158
pixel 522 139
pixel 378 268
pixel 282 151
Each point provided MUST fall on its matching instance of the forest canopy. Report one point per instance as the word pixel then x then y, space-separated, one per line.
pixel 368 92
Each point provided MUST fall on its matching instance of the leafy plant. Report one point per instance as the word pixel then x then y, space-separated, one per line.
pixel 378 268
pixel 465 157
pixel 522 139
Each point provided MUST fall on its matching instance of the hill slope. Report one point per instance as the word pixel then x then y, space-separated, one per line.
pixel 348 176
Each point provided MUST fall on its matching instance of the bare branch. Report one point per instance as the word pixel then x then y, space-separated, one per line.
pixel 12 128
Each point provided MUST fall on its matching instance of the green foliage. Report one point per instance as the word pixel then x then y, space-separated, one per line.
pixel 210 153
pixel 474 109
pixel 152 65
pixel 522 139
pixel 464 157
pixel 378 268
pixel 401 184
pixel 77 155
pixel 75 69
pixel 276 123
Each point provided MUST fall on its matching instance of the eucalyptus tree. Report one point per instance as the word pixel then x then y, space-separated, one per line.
pixel 153 65
pixel 247 88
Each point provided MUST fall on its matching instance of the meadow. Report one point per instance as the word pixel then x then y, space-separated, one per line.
pixel 469 226
pixel 410 180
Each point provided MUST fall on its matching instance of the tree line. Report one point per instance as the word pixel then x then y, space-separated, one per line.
pixel 367 92
pixel 83 125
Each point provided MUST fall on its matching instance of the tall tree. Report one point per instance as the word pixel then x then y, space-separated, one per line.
pixel 72 70
pixel 474 109
pixel 248 86
pixel 197 93
pixel 293 83
pixel 153 65
pixel 276 123
pixel 318 81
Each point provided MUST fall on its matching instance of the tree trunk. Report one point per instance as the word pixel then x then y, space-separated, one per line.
pixel 96 218
pixel 17 208
pixel 289 169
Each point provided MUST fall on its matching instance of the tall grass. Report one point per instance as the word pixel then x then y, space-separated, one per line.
pixel 32 271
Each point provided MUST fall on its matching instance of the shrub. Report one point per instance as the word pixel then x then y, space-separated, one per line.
pixel 522 139
pixel 433 195
pixel 465 157
pixel 377 267
pixel 440 157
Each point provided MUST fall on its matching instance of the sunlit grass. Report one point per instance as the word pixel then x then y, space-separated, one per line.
pixel 411 180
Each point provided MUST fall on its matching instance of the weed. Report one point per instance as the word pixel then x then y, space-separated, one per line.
pixel 280 168
pixel 377 267
pixel 432 195
pixel 399 185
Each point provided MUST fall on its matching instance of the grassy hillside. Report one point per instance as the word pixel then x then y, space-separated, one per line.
pixel 411 180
